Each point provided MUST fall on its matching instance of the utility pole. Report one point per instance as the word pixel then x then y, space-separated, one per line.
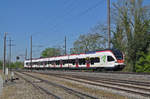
pixel 26 54
pixel 4 60
pixel 9 52
pixel 10 45
pixel 65 47
pixel 108 22
pixel 31 52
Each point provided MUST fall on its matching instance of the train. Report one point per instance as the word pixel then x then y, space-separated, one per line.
pixel 108 59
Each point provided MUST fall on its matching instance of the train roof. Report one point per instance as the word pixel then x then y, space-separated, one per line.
pixel 89 52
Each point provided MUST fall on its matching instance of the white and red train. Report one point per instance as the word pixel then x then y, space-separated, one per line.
pixel 104 59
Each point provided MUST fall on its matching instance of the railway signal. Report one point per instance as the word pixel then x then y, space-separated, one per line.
pixel 17 57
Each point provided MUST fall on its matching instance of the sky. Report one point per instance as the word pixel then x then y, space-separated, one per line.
pixel 48 21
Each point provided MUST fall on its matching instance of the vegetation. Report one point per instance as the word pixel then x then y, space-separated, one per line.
pixel 143 64
pixel 50 52
pixel 131 33
pixel 12 65
pixel 88 42
pixel 16 65
pixel 1 64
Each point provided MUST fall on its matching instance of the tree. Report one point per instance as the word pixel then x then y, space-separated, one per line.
pixel 131 32
pixel 1 64
pixel 50 52
pixel 18 64
pixel 143 64
pixel 88 42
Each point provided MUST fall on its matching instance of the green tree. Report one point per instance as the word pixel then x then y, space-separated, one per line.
pixel 12 65
pixel 143 65
pixel 88 42
pixel 18 64
pixel 50 52
pixel 1 64
pixel 131 32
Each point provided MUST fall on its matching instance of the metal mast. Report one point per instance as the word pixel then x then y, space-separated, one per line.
pixel 31 52
pixel 4 60
pixel 108 22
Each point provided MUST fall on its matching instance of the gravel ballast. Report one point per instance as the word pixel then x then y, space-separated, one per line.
pixel 85 88
pixel 20 89
pixel 1 85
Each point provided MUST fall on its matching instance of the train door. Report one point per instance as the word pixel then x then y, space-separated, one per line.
pixel 87 62
pixel 77 62
pixel 43 63
pixel 49 64
pixel 61 63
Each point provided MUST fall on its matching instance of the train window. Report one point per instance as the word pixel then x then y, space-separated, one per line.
pixel 46 62
pixel 41 63
pixel 82 61
pixel 52 62
pixel 70 61
pixel 73 61
pixel 97 60
pixel 49 62
pixel 64 61
pixel 57 62
pixel 34 63
pixel 118 54
pixel 92 60
pixel 110 58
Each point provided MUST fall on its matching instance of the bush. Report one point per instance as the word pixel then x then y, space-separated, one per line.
pixel 143 64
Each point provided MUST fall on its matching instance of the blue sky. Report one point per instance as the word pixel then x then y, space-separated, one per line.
pixel 49 21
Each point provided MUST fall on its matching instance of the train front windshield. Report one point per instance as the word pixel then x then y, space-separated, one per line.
pixel 118 54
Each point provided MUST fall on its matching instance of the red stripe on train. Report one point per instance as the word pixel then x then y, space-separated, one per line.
pixel 120 61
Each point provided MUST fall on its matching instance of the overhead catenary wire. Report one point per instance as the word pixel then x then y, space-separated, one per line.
pixel 91 8
pixel 69 9
pixel 54 28
pixel 87 10
pixel 66 11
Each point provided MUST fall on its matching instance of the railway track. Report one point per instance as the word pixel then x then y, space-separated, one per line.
pixel 38 87
pixel 134 87
pixel 78 94
pixel 96 71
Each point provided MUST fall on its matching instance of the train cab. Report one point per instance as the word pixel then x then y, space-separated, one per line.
pixel 119 63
